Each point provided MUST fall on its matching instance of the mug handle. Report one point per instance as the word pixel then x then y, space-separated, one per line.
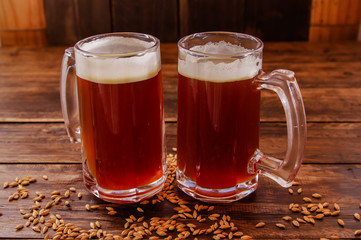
pixel 68 96
pixel 284 83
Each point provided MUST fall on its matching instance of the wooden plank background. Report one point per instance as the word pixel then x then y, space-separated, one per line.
pixel 64 22
pixel 334 20
pixel 22 22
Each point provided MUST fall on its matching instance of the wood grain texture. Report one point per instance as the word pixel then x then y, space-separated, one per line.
pixel 210 15
pixel 92 17
pixel 32 38
pixel 335 12
pixel 61 22
pixel 337 183
pixel 68 21
pixel 22 15
pixel 48 143
pixel 22 23
pixel 278 20
pixel 156 17
pixel 33 142
pixel 334 20
pixel 327 73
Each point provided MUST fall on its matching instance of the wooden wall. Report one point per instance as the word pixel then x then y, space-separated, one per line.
pixel 22 22
pixel 63 22
pixel 335 20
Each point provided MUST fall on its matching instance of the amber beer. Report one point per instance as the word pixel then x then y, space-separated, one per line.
pixel 218 130
pixel 218 120
pixel 122 128
pixel 121 119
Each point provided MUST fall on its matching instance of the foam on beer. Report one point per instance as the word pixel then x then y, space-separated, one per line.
pixel 108 67
pixel 220 69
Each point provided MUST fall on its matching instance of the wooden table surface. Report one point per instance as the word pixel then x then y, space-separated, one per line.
pixel 33 143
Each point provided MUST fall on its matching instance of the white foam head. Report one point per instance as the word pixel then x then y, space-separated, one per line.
pixel 105 64
pixel 221 67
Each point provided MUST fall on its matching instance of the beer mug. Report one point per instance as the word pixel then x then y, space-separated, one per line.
pixel 114 107
pixel 219 81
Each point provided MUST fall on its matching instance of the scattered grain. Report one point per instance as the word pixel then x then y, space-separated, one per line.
pixel 335 213
pixel 112 213
pixel 280 225
pixel 45 177
pixel 287 218
pixel 341 222
pixel 246 237
pixel 316 195
pixel 260 225
pixel 296 223
pixel 19 227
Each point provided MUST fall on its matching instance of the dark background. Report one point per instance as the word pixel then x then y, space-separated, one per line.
pixel 169 20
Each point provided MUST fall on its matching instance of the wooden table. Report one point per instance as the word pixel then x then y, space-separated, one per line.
pixel 33 143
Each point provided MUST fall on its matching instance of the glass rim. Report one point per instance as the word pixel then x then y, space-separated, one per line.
pixel 248 52
pixel 135 35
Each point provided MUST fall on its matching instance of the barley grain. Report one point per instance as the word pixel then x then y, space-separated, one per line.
pixel 316 195
pixel 55 192
pixel 296 223
pixel 260 225
pixel 112 213
pixel 300 220
pixel 45 177
pixel 280 225
pixel 67 193
pixel 287 218
pixel 37 229
pixel 19 227
pixel 341 222
pixel 335 213
pixel 13 184
pixel 45 230
pixel 238 234
pixel 246 237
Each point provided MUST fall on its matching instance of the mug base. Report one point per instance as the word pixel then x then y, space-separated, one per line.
pixel 224 195
pixel 126 196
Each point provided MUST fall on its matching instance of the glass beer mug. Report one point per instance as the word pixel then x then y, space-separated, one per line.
pixel 114 107
pixel 220 78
